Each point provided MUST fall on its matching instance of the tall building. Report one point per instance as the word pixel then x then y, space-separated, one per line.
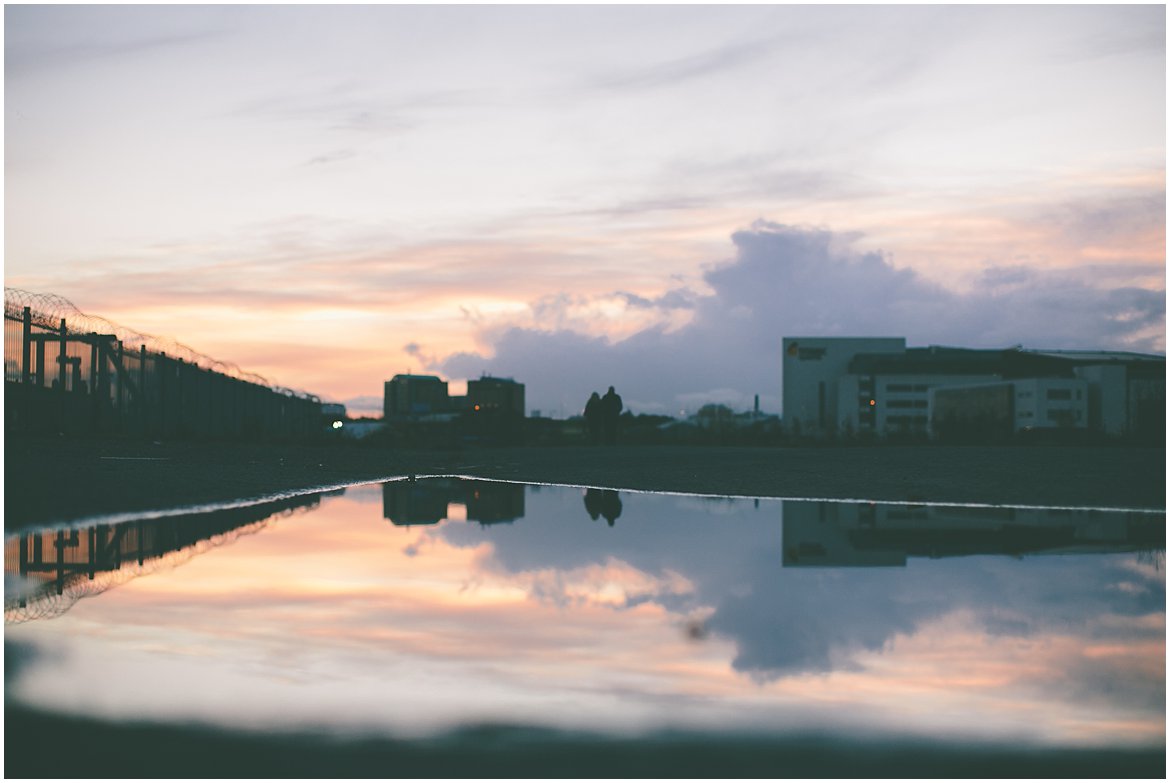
pixel 503 395
pixel 812 367
pixel 415 395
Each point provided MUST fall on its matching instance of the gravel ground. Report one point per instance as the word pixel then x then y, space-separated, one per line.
pixel 49 480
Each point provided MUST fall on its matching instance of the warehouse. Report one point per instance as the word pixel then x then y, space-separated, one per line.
pixel 877 387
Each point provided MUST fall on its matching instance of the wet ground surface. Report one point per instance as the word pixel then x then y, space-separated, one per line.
pixel 55 479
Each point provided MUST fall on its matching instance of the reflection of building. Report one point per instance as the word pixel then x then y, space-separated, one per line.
pixel 878 385
pixel 427 501
pixel 885 534
pixel 490 502
pixel 416 502
pixel 415 395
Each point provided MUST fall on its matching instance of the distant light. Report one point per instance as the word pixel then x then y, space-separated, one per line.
pixel 477 407
pixel 337 425
pixel 873 402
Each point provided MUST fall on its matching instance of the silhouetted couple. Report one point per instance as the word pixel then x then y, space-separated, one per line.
pixel 603 503
pixel 602 415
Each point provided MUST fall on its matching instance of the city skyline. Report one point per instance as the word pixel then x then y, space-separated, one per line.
pixel 645 197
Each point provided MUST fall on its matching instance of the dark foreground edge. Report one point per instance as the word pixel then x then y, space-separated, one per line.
pixel 39 745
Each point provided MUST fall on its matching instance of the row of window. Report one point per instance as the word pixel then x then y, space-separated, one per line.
pixel 1051 394
pixel 1054 415
pixel 907 387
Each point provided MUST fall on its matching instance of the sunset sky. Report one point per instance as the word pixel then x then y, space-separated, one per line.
pixel 649 197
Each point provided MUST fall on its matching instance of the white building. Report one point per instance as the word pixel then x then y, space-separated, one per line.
pixel 847 386
pixel 1006 408
pixel 813 367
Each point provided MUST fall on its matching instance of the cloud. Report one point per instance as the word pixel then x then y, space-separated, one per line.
pixel 682 69
pixel 335 156
pixel 786 280
pixel 24 59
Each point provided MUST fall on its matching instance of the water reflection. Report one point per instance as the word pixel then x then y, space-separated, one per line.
pixel 707 613
pixel 46 572
pixel 429 501
pixel 884 534
pixel 603 503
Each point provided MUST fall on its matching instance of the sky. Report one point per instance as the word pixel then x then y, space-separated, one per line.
pixel 647 197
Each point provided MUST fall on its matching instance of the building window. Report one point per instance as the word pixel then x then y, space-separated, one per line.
pixel 1059 394
pixel 906 404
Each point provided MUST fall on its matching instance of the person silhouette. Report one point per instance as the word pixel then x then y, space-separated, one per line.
pixel 593 416
pixel 611 506
pixel 603 503
pixel 593 503
pixel 611 407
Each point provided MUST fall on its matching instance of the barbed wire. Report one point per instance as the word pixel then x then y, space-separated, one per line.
pixel 47 311
pixel 44 602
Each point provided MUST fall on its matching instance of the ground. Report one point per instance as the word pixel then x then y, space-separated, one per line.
pixel 57 479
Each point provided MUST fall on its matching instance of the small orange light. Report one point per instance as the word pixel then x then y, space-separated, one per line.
pixel 873 402
pixel 477 407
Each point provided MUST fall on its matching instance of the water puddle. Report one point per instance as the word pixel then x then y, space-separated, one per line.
pixel 413 607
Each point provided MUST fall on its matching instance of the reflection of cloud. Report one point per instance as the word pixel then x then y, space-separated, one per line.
pixel 560 622
pixel 791 621
pixel 612 583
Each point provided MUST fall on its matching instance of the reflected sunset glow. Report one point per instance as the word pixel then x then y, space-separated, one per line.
pixel 680 615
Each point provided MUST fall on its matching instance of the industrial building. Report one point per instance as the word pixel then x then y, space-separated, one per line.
pixel 876 386
pixel 502 395
pixel 415 395
pixel 418 396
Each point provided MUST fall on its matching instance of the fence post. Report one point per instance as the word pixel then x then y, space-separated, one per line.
pixel 142 387
pixel 61 354
pixel 62 365
pixel 40 363
pixel 121 388
pixel 95 358
pixel 183 399
pixel 26 349
pixel 160 371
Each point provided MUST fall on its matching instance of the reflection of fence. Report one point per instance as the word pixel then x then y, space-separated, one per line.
pixel 47 572
pixel 65 371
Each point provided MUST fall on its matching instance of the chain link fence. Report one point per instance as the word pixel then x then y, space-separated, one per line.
pixel 69 372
